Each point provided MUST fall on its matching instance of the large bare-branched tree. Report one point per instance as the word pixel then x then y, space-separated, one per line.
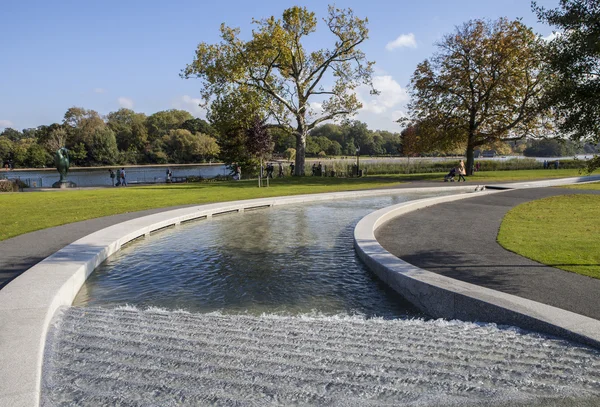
pixel 483 86
pixel 276 64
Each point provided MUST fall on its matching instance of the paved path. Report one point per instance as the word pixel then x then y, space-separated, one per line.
pixel 458 240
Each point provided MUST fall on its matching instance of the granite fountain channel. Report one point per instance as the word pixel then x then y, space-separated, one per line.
pixel 273 307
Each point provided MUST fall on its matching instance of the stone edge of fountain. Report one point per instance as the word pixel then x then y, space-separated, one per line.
pixel 445 297
pixel 29 302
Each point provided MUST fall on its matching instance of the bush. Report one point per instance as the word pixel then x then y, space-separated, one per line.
pixel 8 186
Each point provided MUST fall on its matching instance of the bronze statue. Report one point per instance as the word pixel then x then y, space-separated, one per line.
pixel 61 160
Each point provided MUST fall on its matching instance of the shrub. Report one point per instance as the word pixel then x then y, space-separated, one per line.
pixel 8 186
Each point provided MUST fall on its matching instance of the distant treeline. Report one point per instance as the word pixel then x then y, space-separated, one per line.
pixel 175 136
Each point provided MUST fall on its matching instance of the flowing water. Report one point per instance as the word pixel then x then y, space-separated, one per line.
pixel 272 307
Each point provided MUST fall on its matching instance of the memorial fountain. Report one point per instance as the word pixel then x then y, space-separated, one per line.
pixel 272 307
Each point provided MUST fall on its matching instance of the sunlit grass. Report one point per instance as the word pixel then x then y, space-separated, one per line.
pixel 592 185
pixel 27 212
pixel 560 231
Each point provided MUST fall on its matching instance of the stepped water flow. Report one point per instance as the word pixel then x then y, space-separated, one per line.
pixel 130 357
pixel 277 310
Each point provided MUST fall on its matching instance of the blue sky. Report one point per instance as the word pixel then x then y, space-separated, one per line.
pixel 103 55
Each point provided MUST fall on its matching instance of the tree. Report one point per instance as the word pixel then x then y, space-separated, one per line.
pixel 574 58
pixel 185 147
pixel 12 134
pixel 160 123
pixel 484 85
pixel 6 147
pixel 199 126
pixel 57 138
pixel 259 142
pixel 37 156
pixel 129 128
pixel 103 147
pixel 276 65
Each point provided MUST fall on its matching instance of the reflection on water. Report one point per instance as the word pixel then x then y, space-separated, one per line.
pixel 290 259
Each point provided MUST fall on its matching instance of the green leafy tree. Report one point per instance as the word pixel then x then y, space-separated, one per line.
pixel 161 123
pixel 81 124
pixel 231 115
pixel 484 85
pixel 6 147
pixel 129 128
pixel 199 126
pixel 19 152
pixel 103 147
pixel 37 156
pixel 275 64
pixel 78 154
pixel 574 58
pixel 12 134
pixel 185 147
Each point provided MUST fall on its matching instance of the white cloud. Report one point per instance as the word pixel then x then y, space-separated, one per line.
pixel 125 102
pixel 381 111
pixel 405 40
pixel 190 104
pixel 391 95
pixel 5 123
pixel 551 36
pixel 99 90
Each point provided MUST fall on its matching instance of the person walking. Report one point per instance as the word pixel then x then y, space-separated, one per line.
pixel 111 173
pixel 118 178
pixel 123 179
pixel 280 175
pixel 461 171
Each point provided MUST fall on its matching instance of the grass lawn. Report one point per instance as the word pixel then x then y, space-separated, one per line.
pixel 592 185
pixel 26 212
pixel 560 231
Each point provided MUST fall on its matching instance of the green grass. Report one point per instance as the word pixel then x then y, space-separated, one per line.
pixel 593 185
pixel 27 212
pixel 560 231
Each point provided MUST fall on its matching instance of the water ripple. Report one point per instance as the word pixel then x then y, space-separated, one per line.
pixel 129 357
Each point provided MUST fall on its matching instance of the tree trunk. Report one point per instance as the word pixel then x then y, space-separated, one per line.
pixel 470 159
pixel 300 149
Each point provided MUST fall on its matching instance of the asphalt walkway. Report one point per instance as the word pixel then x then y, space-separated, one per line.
pixel 458 240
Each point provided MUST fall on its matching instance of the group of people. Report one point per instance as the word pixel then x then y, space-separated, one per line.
pixel 270 169
pixel 317 169
pixel 548 164
pixel 120 176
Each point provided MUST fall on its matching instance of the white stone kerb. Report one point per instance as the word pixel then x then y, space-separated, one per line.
pixel 444 297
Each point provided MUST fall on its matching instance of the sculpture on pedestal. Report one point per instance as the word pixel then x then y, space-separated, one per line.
pixel 61 160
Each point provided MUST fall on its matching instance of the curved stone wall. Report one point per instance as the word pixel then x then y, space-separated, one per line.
pixel 444 297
